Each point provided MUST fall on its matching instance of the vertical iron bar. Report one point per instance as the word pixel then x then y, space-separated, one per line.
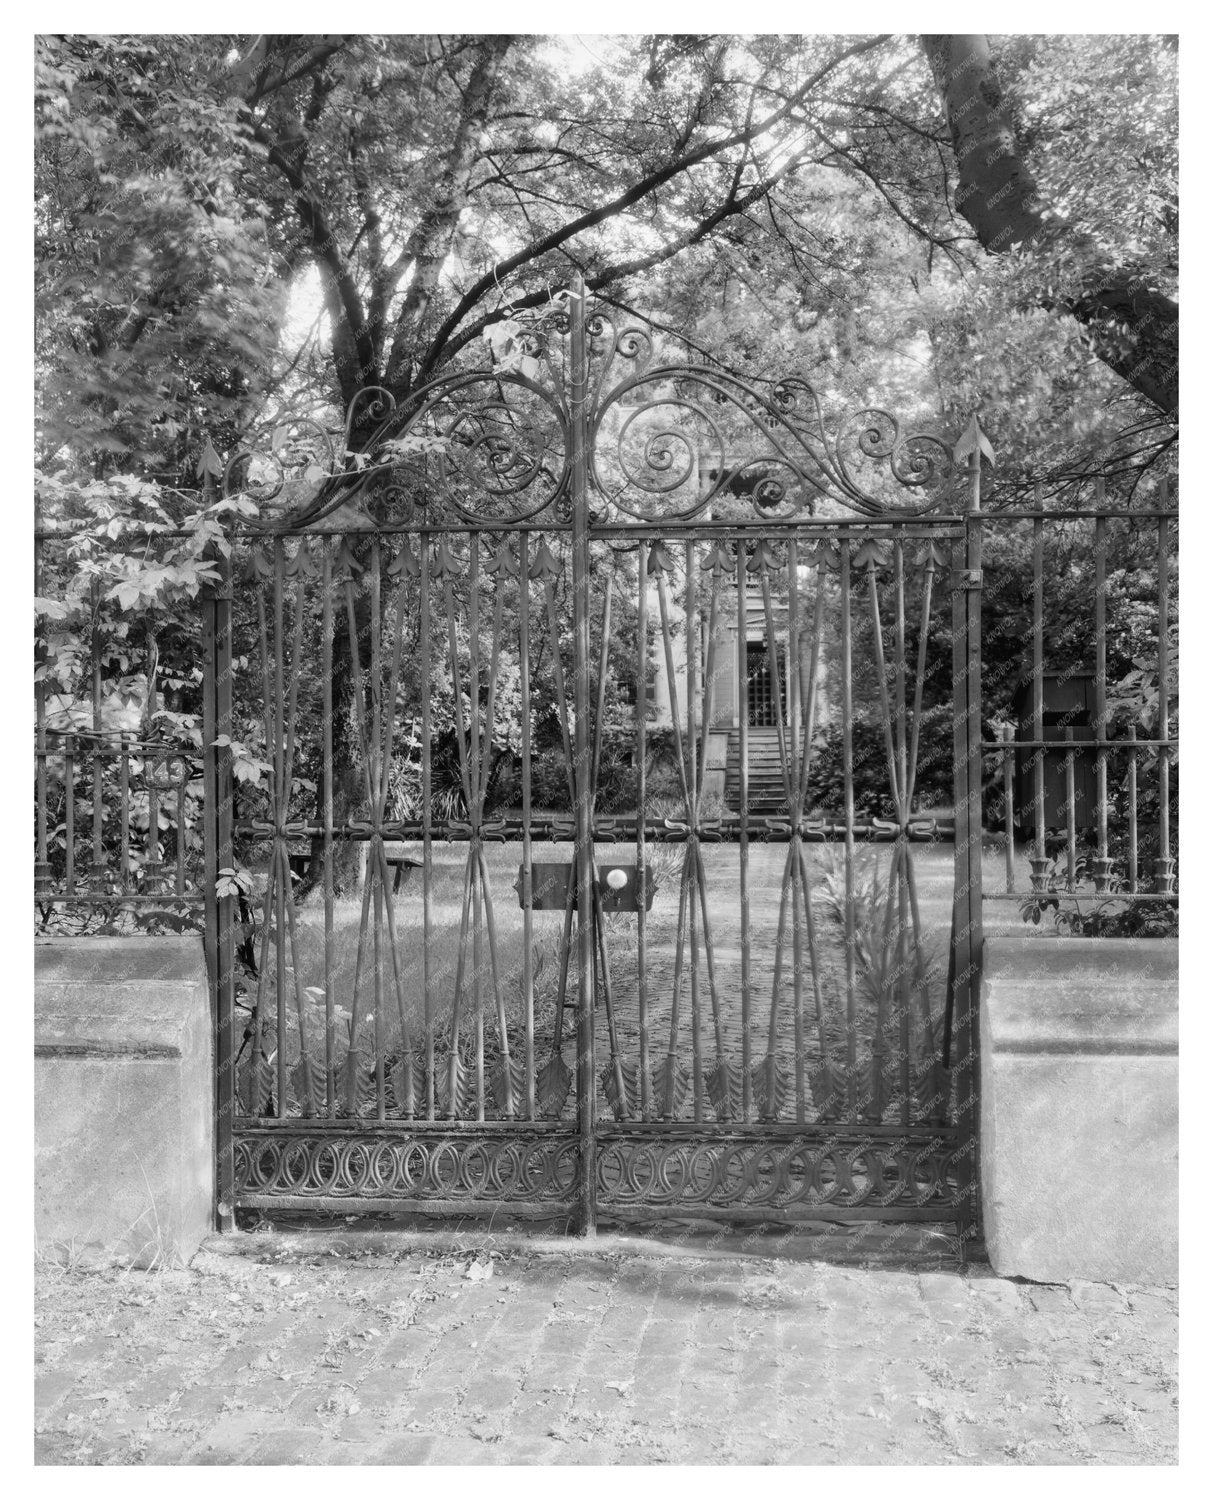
pixel 967 916
pixel 151 869
pixel 69 812
pixel 528 957
pixel 691 857
pixel 181 829
pixel 1071 819
pixel 474 745
pixel 793 812
pixel 902 853
pixel 771 1109
pixel 505 1061
pixel 694 703
pixel 124 814
pixel 1040 859
pixel 1164 868
pixel 210 860
pixel 694 706
pixel 42 871
pixel 326 750
pixel 743 845
pixel 587 1212
pixel 427 824
pixel 899 678
pixel 375 848
pixel 1007 735
pixel 1133 809
pixel 97 873
pixel 1103 865
pixel 477 970
pixel 794 704
pixel 225 1047
pixel 642 876
pixel 848 805
pixel 604 647
pixel 795 859
pixel 901 861
pixel 277 710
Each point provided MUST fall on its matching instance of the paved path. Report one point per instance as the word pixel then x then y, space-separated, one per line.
pixel 370 1348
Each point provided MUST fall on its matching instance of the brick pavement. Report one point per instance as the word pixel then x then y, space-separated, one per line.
pixel 320 1348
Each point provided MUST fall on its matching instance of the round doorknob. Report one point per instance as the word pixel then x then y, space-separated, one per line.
pixel 617 879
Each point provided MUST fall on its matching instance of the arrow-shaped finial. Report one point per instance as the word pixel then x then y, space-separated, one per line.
pixel 208 462
pixel 973 440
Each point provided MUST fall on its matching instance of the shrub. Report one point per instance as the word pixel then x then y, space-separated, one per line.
pixel 870 769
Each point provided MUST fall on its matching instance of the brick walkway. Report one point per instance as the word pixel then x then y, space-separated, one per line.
pixel 371 1348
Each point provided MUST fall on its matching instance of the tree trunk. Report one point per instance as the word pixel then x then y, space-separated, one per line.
pixel 1134 327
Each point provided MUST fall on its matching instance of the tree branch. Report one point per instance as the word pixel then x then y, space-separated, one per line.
pixel 505 267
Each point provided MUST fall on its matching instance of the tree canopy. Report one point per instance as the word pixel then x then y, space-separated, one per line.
pixel 234 227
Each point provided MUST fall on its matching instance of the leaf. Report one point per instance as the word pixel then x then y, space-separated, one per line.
pixel 506 1088
pixel 259 1085
pixel 309 1082
pixel 355 1085
pixel 770 1097
pixel 765 559
pixel 503 562
pixel 406 1079
pixel 827 1089
pixel 869 554
pixel 454 1087
pixel 717 560
pixel 671 1085
pixel 661 559
pixel 552 1085
pixel 628 1106
pixel 405 564
pixel 544 564
pixel 723 1084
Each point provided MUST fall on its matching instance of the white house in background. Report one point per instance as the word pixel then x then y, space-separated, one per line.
pixel 744 685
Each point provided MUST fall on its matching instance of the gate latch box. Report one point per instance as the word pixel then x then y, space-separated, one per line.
pixel 618 886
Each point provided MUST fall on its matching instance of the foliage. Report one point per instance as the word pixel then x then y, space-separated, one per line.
pixel 122 918
pixel 1113 917
pixel 875 933
pixel 156 290
pixel 121 589
pixel 870 767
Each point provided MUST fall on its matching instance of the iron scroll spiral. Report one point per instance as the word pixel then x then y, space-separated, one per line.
pixel 666 442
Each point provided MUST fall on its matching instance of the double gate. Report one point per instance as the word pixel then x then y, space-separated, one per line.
pixel 526 941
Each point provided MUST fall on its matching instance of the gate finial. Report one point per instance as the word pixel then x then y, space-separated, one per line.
pixel 973 440
pixel 208 460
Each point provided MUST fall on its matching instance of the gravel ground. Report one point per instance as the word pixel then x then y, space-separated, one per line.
pixel 318 1347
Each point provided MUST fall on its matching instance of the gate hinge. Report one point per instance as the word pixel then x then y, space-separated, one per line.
pixel 966 579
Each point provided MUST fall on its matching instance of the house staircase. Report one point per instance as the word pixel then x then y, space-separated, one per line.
pixel 766 792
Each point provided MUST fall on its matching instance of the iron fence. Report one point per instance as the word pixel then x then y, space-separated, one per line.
pixel 1080 712
pixel 118 803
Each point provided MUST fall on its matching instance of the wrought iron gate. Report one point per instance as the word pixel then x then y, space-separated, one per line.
pixel 577 979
